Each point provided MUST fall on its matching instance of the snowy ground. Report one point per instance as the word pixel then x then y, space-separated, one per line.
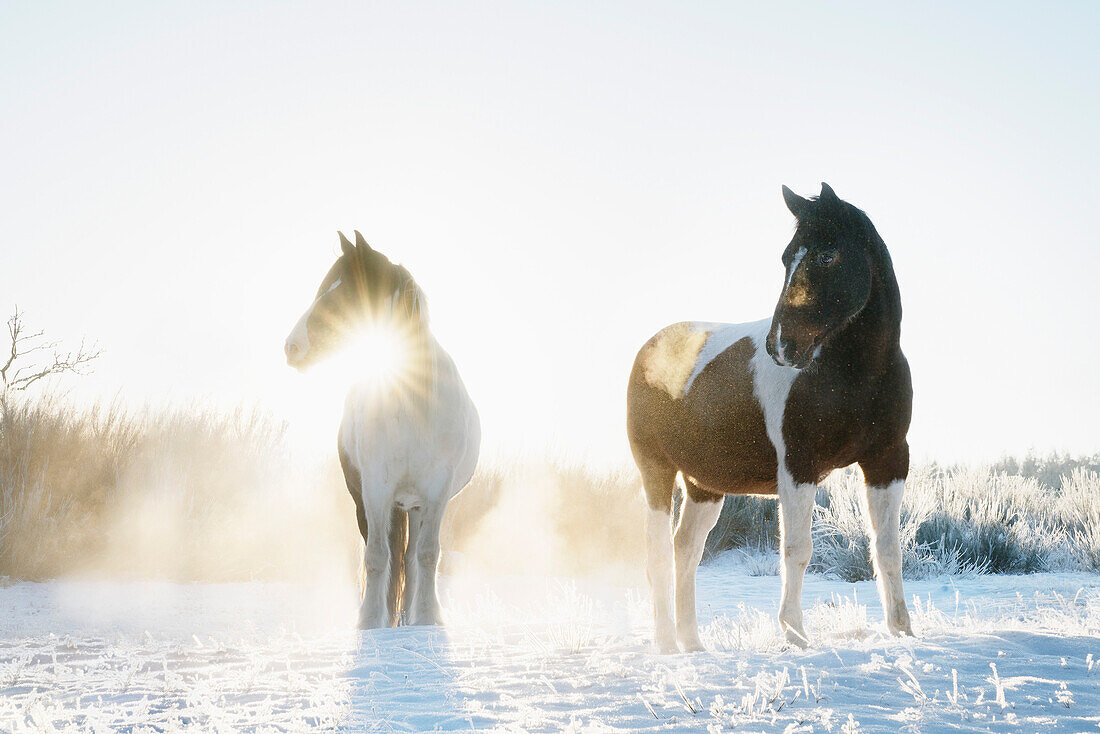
pixel 1007 653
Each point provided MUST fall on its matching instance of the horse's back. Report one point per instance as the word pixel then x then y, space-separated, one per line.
pixel 693 403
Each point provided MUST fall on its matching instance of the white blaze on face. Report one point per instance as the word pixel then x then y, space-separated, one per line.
pixel 297 344
pixel 795 263
pixel 797 295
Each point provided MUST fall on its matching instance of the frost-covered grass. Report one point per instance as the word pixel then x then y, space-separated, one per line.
pixel 958 520
pixel 521 653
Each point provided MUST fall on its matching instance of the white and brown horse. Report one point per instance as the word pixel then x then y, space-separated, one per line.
pixel 406 445
pixel 772 407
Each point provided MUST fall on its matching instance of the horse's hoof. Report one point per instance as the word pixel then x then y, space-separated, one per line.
pixel 797 637
pixel 373 624
pixel 426 617
pixel 899 625
pixel 692 644
pixel 666 646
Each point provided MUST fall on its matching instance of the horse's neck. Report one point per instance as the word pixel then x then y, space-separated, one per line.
pixel 425 354
pixel 872 341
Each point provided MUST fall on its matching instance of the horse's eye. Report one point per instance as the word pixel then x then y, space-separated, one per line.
pixel 827 258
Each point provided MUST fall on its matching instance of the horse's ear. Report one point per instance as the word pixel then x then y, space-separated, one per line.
pixel 827 194
pixel 361 241
pixel 345 244
pixel 795 203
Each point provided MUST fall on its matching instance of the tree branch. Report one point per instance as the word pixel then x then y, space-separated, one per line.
pixel 23 345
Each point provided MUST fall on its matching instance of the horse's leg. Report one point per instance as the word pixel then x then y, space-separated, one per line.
pixel 374 612
pixel 426 609
pixel 412 568
pixel 354 483
pixel 884 492
pixel 796 511
pixel 659 479
pixel 698 515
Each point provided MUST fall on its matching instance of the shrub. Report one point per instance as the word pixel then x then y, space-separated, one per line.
pixel 957 520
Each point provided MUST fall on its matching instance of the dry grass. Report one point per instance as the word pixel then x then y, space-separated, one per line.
pixel 185 494
pixel 191 494
pixel 195 494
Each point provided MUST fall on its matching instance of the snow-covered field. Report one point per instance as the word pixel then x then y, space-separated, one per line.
pixel 994 653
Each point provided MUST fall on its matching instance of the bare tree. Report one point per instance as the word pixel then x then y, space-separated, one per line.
pixel 34 357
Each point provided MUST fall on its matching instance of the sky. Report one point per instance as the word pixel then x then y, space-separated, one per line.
pixel 563 179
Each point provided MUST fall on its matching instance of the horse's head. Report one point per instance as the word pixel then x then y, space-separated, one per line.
pixel 362 289
pixel 827 280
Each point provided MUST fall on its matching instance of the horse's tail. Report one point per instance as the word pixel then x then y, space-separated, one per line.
pixel 399 538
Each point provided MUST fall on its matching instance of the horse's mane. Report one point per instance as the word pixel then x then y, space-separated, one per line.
pixel 412 291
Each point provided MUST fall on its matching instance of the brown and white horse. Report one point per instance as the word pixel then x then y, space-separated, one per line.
pixel 407 445
pixel 772 407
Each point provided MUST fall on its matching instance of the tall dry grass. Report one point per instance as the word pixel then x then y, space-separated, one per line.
pixel 182 493
pixel 189 494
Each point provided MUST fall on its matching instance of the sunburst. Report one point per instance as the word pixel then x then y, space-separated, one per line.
pixel 378 355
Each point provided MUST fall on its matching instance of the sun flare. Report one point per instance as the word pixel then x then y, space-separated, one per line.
pixel 381 358
pixel 377 355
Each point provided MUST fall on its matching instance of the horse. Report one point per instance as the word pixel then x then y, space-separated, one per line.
pixel 407 445
pixel 771 408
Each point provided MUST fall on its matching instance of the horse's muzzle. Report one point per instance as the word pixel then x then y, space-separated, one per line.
pixel 295 355
pixel 785 352
pixel 798 362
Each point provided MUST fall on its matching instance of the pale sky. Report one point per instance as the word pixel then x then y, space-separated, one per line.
pixel 563 179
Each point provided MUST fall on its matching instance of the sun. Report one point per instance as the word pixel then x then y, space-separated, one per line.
pixel 376 355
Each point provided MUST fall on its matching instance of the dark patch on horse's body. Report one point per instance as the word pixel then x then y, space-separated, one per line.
pixel 836 416
pixel 354 482
pixel 854 402
pixel 714 434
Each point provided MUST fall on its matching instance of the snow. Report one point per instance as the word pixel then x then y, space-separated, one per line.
pixel 993 653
